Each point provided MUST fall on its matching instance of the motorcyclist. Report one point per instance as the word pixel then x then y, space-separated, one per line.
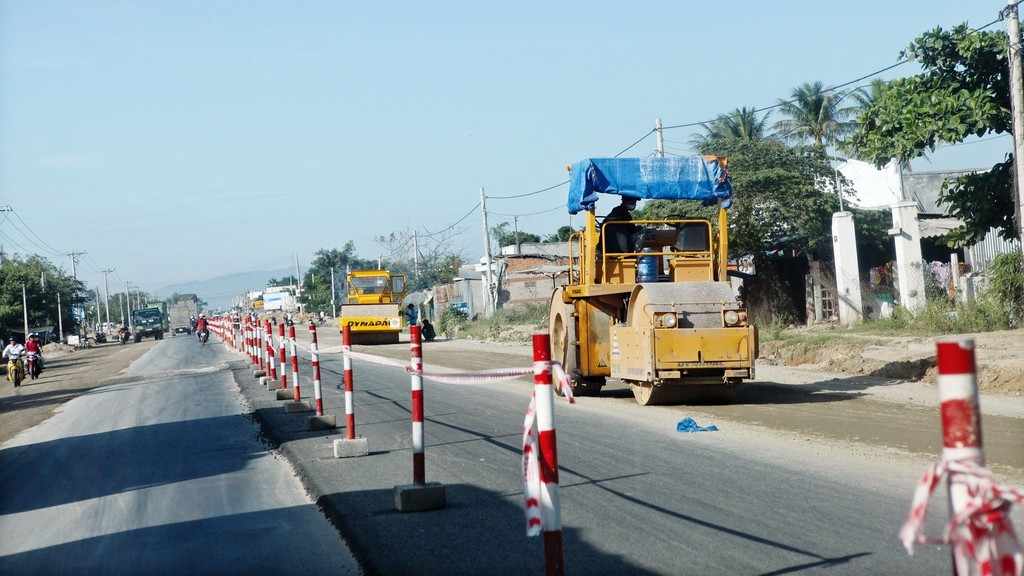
pixel 123 333
pixel 201 326
pixel 33 345
pixel 13 349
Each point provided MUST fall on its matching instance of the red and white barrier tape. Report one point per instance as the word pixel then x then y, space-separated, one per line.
pixel 481 377
pixel 982 536
pixel 532 486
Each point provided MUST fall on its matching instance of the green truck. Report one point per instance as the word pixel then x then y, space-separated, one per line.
pixel 148 322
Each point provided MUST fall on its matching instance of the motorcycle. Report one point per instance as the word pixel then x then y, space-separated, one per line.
pixel 203 336
pixel 15 370
pixel 122 336
pixel 34 367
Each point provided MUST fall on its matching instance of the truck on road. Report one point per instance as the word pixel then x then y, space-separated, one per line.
pixel 148 322
pixel 183 309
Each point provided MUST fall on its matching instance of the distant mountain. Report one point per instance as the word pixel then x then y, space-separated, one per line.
pixel 222 291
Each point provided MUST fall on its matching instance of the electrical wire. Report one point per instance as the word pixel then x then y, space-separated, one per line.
pixel 559 207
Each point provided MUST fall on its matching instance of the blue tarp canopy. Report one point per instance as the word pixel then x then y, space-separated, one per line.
pixel 701 178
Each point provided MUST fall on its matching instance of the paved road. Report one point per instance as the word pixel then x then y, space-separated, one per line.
pixel 160 473
pixel 637 496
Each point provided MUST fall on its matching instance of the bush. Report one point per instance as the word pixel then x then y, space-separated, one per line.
pixel 1006 286
pixel 452 320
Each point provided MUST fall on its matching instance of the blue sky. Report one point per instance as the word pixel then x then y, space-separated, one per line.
pixel 178 141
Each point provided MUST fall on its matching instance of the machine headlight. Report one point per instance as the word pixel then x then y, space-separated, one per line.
pixel 734 317
pixel 667 320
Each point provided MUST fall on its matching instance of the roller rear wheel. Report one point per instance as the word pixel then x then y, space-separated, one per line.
pixel 564 350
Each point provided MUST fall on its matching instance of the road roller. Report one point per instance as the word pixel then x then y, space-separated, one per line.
pixel 652 302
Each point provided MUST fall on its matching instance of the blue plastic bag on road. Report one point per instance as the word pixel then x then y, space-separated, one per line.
pixel 689 425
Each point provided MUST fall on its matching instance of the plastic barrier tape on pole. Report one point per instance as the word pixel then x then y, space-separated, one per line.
pixel 979 530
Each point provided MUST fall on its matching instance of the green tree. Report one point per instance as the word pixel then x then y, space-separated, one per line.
pixel 814 115
pixel 286 281
pixel 42 282
pixel 505 237
pixel 741 124
pixel 316 283
pixel 562 235
pixel 963 91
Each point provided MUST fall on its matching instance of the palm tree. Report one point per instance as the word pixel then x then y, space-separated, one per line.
pixel 814 115
pixel 864 98
pixel 741 124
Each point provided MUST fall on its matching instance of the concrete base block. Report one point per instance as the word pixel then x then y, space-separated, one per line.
pixel 285 393
pixel 295 407
pixel 325 422
pixel 346 448
pixel 259 373
pixel 419 498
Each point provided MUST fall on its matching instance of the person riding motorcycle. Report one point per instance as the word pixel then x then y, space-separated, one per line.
pixel 123 333
pixel 33 346
pixel 201 327
pixel 14 351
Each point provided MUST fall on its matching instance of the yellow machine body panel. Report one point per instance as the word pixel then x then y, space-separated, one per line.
pixel 373 306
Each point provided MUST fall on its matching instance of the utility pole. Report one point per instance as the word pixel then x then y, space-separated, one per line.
pixel 334 305
pixel 74 263
pixel 106 293
pixel 415 253
pixel 488 304
pixel 1017 106
pixel 74 273
pixel 128 298
pixel 24 307
pixel 660 138
pixel 98 309
pixel 519 245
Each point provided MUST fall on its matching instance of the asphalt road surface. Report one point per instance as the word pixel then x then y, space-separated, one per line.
pixel 637 496
pixel 801 478
pixel 161 472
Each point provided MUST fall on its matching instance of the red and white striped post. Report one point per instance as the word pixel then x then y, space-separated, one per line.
pixel 961 418
pixel 271 368
pixel 316 370
pixel 261 349
pixel 295 363
pixel 284 378
pixel 547 456
pixel 247 338
pixel 350 415
pixel 418 458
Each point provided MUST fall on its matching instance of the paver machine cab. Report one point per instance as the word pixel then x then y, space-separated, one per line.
pixel 650 301
pixel 373 307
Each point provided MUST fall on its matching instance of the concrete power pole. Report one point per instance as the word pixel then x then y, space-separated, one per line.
pixel 659 138
pixel 106 293
pixel 1017 106
pixel 488 301
pixel 74 273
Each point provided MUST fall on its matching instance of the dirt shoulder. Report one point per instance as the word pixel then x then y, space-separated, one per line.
pixel 69 373
pixel 999 357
